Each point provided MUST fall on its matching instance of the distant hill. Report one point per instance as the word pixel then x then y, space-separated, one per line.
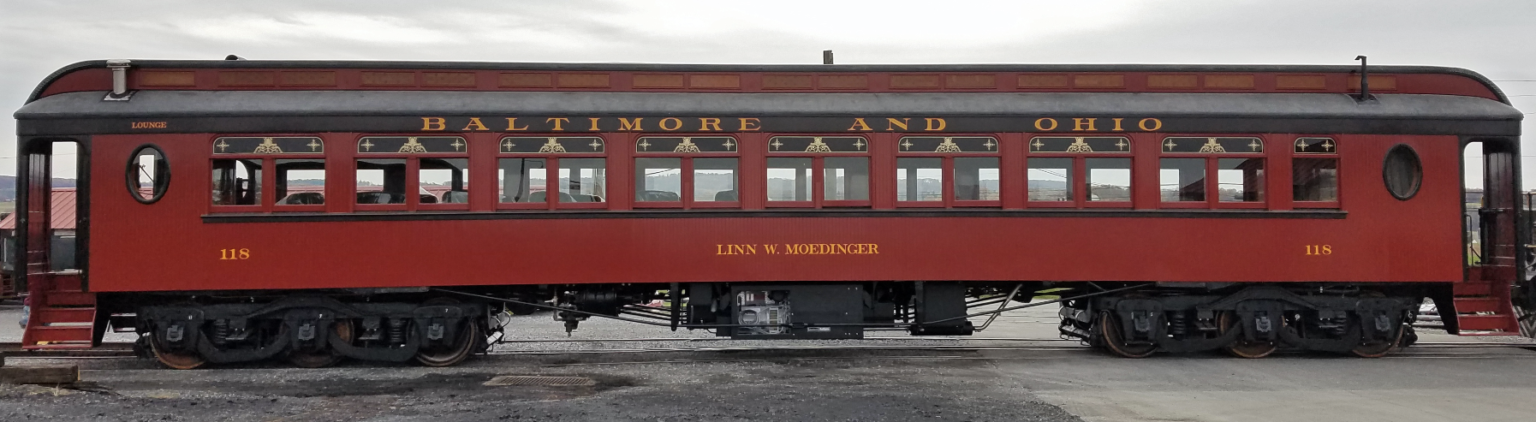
pixel 8 187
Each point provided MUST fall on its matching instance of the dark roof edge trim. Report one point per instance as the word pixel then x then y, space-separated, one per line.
pixel 651 67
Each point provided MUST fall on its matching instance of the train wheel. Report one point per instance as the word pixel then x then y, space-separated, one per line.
pixel 1228 321
pixel 1378 349
pixel 323 358
pixel 452 354
pixel 175 360
pixel 1109 327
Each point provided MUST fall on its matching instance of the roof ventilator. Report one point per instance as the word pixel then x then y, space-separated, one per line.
pixel 1365 82
pixel 119 81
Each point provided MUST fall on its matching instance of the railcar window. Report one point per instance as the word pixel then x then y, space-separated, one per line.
pixel 977 179
pixel 686 171
pixel 582 180
pixel 789 179
pixel 553 172
pixel 445 180
pixel 519 177
pixel 1050 179
pixel 300 181
pixel 1182 179
pixel 237 182
pixel 846 178
pixel 818 171
pixel 1315 173
pixel 1080 171
pixel 1218 171
pixel 659 180
pixel 298 163
pixel 919 179
pixel 947 171
pixel 381 181
pixel 1240 179
pixel 714 180
pixel 148 174
pixel 1402 172
pixel 1108 179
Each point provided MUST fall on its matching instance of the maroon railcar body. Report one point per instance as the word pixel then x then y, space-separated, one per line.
pixel 1409 241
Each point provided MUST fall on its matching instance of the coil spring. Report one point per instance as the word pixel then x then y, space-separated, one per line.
pixel 396 330
pixel 220 331
pixel 1340 326
pixel 1178 324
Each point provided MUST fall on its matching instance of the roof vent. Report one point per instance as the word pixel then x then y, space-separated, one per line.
pixel 119 80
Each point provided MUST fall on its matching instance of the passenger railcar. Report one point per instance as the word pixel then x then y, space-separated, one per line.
pixel 241 210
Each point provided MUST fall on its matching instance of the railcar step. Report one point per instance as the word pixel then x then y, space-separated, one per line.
pixel 47 316
pixel 1472 289
pixel 67 298
pixel 1473 305
pixel 1504 323
pixel 37 336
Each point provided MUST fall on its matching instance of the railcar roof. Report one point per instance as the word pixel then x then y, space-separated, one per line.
pixel 774 68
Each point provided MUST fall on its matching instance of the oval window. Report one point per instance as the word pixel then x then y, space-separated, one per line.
pixel 148 174
pixel 1402 172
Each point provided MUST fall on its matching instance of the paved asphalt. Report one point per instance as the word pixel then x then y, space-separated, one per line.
pixel 703 379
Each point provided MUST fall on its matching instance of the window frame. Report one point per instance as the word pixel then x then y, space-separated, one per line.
pixel 686 201
pixel 818 172
pixel 947 171
pixel 552 172
pixel 1338 169
pixel 412 173
pixel 1079 180
pixel 268 203
pixel 1213 172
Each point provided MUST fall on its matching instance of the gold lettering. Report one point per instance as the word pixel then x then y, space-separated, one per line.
pixel 1040 124
pixel 706 122
pixel 772 249
pixel 891 123
pixel 752 249
pixel 1077 124
pixel 1117 125
pixel 842 249
pixel 433 123
pixel 1156 124
pixel 557 121
pixel 626 125
pixel 859 125
pixel 718 250
pixel 874 249
pixel 594 124
pixel 512 125
pixel 676 124
pixel 931 127
pixel 750 124
pixel 474 124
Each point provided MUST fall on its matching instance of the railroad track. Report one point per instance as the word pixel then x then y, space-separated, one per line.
pixel 121 350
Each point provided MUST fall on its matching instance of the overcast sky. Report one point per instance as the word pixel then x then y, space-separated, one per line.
pixel 1495 38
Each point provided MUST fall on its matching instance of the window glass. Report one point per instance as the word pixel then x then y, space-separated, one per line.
pixel 582 180
pixel 1109 179
pixel 1182 179
pixel 444 180
pixel 789 179
pixel 714 180
pixel 1315 179
pixel 236 182
pixel 976 178
pixel 659 179
pixel 149 174
pixel 1050 179
pixel 300 182
pixel 521 179
pixel 920 179
pixel 1240 179
pixel 846 178
pixel 1402 172
pixel 381 181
